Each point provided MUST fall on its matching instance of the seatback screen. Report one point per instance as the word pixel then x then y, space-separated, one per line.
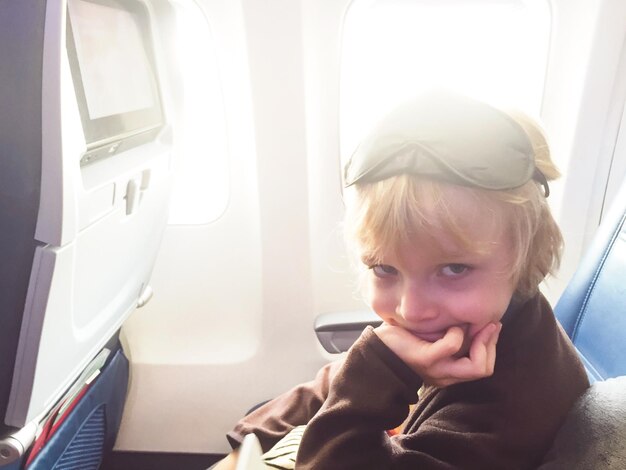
pixel 113 68
pixel 114 65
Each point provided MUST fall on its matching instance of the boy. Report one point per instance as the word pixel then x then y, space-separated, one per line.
pixel 447 211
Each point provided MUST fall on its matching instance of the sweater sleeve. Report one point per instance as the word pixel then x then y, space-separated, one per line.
pixel 370 394
pixel 279 416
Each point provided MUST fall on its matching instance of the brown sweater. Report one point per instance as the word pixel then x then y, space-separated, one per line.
pixel 506 421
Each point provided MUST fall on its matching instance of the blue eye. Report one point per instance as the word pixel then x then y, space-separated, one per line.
pixel 455 269
pixel 384 270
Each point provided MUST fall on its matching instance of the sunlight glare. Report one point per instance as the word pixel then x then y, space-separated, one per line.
pixel 495 51
pixel 201 185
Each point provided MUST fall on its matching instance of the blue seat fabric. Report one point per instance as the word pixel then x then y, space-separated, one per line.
pixel 592 309
pixel 89 431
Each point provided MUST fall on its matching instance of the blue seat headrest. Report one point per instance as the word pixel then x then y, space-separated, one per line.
pixel 592 309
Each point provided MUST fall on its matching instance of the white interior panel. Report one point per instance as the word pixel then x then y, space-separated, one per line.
pixel 333 269
pixel 231 320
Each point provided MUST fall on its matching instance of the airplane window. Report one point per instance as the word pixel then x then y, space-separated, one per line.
pixel 391 49
pixel 201 185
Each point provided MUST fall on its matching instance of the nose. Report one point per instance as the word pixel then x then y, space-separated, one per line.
pixel 416 304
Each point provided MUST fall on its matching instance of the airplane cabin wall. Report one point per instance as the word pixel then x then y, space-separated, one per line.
pixel 231 320
pixel 582 110
pixel 230 323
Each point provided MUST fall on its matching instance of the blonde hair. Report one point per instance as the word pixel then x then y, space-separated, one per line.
pixel 385 214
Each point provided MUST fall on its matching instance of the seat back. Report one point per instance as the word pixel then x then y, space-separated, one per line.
pixel 20 174
pixel 84 191
pixel 592 309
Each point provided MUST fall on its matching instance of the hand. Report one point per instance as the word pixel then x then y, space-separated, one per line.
pixel 442 363
pixel 229 462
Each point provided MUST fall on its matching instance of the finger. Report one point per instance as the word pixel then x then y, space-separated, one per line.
pixel 414 351
pixel 479 364
pixel 478 350
pixel 485 348
pixel 485 334
pixel 480 361
pixel 454 371
pixel 491 347
pixel 445 347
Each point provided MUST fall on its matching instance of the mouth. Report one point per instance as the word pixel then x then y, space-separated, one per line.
pixel 433 336
pixel 430 337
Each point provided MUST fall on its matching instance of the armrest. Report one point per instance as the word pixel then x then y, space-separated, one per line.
pixel 594 431
pixel 337 331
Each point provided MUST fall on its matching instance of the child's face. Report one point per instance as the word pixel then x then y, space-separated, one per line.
pixel 434 282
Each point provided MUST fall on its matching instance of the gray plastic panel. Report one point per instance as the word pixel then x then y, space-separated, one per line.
pixel 339 330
